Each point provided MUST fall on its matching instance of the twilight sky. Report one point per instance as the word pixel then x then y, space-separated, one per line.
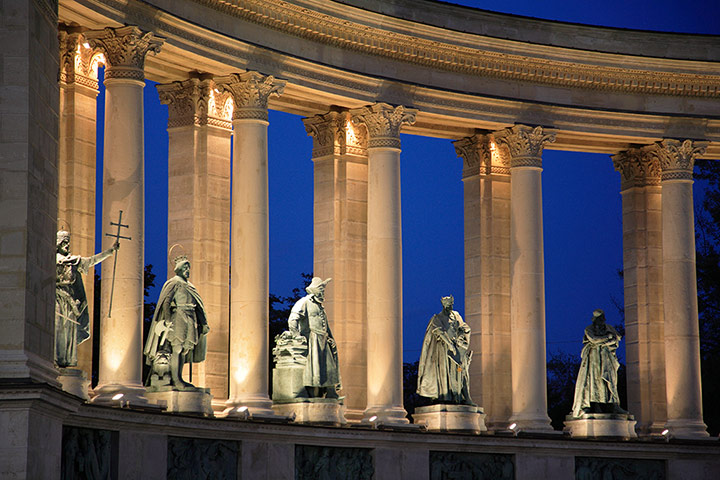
pixel 581 199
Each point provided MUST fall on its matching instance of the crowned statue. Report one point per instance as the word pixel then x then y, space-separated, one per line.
pixel 177 332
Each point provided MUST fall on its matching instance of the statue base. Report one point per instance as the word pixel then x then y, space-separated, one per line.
pixel 197 402
pixel 601 425
pixel 451 418
pixel 315 411
pixel 75 382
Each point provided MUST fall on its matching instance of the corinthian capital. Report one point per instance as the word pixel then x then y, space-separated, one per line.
pixel 383 123
pixel 334 134
pixel 677 158
pixel 524 144
pixel 125 49
pixel 250 92
pixel 481 156
pixel 195 102
pixel 637 167
pixel 78 61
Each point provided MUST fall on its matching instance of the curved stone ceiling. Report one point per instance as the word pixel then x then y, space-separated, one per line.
pixel 604 89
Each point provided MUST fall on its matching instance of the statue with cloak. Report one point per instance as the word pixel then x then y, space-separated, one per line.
pixel 596 385
pixel 445 359
pixel 177 333
pixel 72 321
pixel 308 319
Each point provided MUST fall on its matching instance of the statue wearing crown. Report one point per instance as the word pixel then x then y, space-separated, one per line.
pixel 177 333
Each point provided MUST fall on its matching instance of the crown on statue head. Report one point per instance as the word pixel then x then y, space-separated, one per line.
pixel 180 259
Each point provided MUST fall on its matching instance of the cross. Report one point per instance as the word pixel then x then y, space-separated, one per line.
pixel 117 238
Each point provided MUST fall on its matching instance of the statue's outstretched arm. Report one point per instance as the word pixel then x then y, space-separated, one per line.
pixel 95 259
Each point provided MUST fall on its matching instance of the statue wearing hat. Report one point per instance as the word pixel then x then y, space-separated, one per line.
pixel 309 324
pixel 445 358
pixel 177 332
pixel 596 385
pixel 72 321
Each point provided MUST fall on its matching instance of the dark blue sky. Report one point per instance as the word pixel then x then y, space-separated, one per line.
pixel 581 199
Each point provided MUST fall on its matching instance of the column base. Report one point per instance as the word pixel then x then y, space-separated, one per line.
pixel 531 424
pixel 193 402
pixel 451 418
pixel 687 429
pixel 601 425
pixel 75 382
pixel 385 415
pixel 320 411
pixel 117 395
pixel 251 405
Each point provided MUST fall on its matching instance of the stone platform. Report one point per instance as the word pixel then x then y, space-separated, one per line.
pixel 75 382
pixel 451 418
pixel 601 425
pixel 318 411
pixel 196 402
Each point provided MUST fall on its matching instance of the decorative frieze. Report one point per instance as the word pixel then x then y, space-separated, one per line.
pixel 250 92
pixel 677 158
pixel 334 134
pixel 383 123
pixel 637 167
pixel 524 144
pixel 125 50
pixel 196 102
pixel 481 156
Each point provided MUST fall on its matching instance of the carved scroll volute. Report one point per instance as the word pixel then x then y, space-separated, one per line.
pixel 637 168
pixel 481 156
pixel 250 92
pixel 334 134
pixel 524 144
pixel 383 123
pixel 79 62
pixel 125 50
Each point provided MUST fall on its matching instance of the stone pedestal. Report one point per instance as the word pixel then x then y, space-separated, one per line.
pixel 601 425
pixel 451 418
pixel 318 411
pixel 198 402
pixel 75 382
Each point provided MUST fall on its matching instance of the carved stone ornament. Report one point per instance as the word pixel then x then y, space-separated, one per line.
pixel 79 62
pixel 637 168
pixel 250 91
pixel 524 144
pixel 125 50
pixel 383 123
pixel 677 158
pixel 481 156
pixel 334 134
pixel 196 102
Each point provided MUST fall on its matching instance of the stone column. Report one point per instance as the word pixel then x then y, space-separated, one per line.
pixel 682 339
pixel 527 276
pixel 120 368
pixel 384 261
pixel 340 243
pixel 249 256
pixel 486 180
pixel 643 286
pixel 200 131
pixel 76 160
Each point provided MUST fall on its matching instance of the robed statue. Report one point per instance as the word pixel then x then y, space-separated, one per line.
pixel 72 321
pixel 308 323
pixel 596 386
pixel 445 359
pixel 177 333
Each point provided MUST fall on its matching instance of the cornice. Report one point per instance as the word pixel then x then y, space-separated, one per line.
pixel 302 22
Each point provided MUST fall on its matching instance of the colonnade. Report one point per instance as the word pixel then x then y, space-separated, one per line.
pixel 357 233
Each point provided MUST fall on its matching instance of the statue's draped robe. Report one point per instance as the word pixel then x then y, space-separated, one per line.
pixel 597 377
pixel 178 319
pixel 72 322
pixel 309 318
pixel 442 374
